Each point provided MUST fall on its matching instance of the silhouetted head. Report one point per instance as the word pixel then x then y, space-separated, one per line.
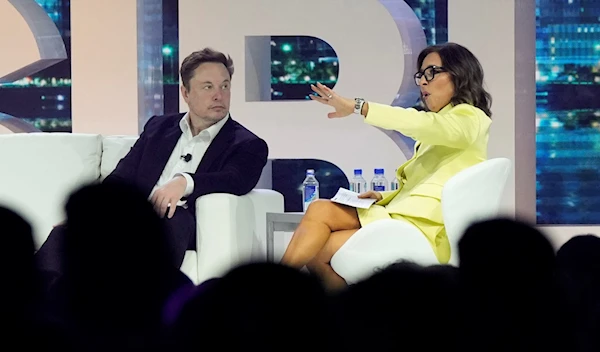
pixel 19 279
pixel 510 292
pixel 113 228
pixel 580 254
pixel 397 308
pixel 579 269
pixel 17 240
pixel 505 249
pixel 262 299
pixel 117 264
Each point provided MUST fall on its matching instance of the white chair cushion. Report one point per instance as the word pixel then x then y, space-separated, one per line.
pixel 114 148
pixel 379 244
pixel 40 170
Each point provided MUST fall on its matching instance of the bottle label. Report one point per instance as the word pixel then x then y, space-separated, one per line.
pixel 358 187
pixel 310 193
pixel 380 188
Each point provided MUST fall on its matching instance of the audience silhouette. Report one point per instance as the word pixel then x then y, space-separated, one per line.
pixel 579 270
pixel 511 292
pixel 260 305
pixel 112 296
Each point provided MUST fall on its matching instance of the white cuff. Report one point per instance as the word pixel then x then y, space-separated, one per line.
pixel 189 188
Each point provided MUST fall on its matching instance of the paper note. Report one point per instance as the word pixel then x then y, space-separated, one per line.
pixel 346 197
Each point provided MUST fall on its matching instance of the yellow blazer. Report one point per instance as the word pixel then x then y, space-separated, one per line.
pixel 447 142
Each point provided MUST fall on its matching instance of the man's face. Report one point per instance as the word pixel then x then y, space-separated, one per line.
pixel 209 93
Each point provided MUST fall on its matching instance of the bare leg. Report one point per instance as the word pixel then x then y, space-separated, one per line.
pixel 321 219
pixel 320 264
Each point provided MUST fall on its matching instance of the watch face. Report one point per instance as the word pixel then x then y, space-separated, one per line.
pixel 357 103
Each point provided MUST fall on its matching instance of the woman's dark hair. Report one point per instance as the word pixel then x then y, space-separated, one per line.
pixel 466 73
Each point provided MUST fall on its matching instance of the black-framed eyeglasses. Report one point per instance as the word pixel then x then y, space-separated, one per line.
pixel 429 73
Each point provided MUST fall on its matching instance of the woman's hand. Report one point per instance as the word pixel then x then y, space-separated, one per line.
pixel 343 106
pixel 371 195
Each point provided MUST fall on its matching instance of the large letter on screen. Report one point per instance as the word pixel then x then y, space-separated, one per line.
pixel 376 43
pixel 30 42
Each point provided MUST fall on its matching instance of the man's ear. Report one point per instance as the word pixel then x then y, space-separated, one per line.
pixel 184 93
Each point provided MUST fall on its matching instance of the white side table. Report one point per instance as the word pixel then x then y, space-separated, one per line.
pixel 280 222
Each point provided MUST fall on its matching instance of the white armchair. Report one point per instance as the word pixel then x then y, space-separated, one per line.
pixel 472 195
pixel 230 230
pixel 39 170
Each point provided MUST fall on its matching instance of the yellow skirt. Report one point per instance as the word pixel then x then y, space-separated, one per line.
pixel 434 232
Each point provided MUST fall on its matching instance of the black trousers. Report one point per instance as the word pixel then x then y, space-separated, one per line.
pixel 180 231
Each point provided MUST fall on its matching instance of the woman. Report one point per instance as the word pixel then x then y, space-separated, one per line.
pixel 451 136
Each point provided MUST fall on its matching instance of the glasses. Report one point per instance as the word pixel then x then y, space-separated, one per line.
pixel 429 73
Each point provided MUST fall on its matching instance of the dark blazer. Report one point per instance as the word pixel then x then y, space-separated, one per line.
pixel 232 163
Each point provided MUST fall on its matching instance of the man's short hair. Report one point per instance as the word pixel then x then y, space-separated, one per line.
pixel 197 58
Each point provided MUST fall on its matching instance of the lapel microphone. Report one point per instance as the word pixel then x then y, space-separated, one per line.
pixel 186 157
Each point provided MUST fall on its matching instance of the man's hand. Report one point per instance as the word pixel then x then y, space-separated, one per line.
pixel 371 195
pixel 168 195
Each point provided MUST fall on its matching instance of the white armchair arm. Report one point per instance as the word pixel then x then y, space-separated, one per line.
pixel 230 229
pixel 264 201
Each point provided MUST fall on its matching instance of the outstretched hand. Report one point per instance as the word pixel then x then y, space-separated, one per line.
pixel 343 106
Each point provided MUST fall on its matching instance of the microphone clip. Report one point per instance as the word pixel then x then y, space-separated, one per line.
pixel 186 157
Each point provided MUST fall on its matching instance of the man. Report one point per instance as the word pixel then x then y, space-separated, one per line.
pixel 181 157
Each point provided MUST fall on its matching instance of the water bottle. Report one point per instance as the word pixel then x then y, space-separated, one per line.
pixel 394 185
pixel 310 188
pixel 379 183
pixel 358 183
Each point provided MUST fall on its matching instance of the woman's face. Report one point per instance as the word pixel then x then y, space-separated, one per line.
pixel 439 90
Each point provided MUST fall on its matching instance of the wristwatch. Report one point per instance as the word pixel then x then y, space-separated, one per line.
pixel 358 104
